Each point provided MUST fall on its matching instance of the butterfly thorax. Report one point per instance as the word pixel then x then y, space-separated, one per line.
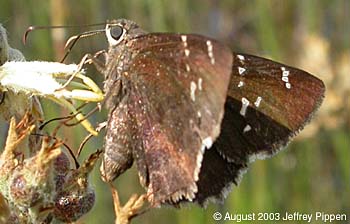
pixel 119 58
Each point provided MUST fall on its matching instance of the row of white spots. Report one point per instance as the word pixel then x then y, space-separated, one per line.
pixel 258 101
pixel 187 51
pixel 210 52
pixel 193 90
pixel 245 104
pixel 241 70
pixel 245 101
pixel 285 74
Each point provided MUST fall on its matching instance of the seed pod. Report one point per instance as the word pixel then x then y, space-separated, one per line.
pixel 71 205
pixel 61 165
pixel 77 197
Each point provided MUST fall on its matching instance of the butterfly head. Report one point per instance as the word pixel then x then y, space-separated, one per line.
pixel 120 31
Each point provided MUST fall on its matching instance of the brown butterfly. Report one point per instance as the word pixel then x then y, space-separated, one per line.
pixel 192 114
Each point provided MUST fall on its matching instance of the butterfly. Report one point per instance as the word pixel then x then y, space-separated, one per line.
pixel 192 114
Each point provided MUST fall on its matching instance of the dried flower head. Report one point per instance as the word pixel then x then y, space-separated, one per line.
pixel 42 187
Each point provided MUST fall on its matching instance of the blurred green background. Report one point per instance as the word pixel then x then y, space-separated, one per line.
pixel 312 174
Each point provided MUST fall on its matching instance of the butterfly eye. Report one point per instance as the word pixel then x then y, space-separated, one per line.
pixel 114 34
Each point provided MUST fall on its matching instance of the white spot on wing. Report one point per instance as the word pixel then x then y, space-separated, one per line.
pixel 212 60
pixel 240 57
pixel 240 84
pixel 184 40
pixel 241 70
pixel 188 68
pixel 187 52
pixel 210 52
pixel 200 83
pixel 258 101
pixel 247 128
pixel 207 142
pixel 245 104
pixel 193 90
pixel 285 73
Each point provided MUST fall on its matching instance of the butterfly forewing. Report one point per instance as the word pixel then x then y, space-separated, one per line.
pixel 267 104
pixel 178 86
pixel 286 94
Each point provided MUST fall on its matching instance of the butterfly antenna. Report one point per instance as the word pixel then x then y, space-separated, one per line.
pixel 41 127
pixel 74 39
pixel 32 28
pixel 85 117
pixel 88 137
pixel 68 118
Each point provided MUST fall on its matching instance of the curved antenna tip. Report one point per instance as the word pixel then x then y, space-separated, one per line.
pixel 25 36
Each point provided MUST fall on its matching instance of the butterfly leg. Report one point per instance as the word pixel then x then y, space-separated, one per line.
pixel 95 95
pixel 87 138
pixel 80 94
pixel 130 210
pixel 79 116
pixel 99 65
pixel 89 83
pixel 83 61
